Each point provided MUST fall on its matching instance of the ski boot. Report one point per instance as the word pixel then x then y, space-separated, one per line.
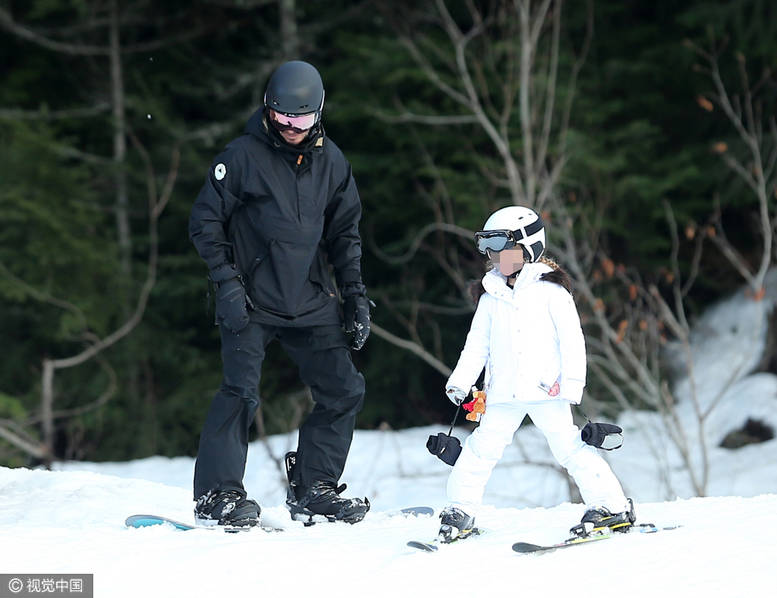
pixel 455 524
pixel 599 520
pixel 321 501
pixel 229 508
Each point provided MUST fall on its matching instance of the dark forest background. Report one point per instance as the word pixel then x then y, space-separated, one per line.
pixel 643 131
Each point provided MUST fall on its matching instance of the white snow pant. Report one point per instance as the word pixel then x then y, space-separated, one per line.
pixel 484 447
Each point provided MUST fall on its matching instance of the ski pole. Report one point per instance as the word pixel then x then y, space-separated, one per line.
pixel 455 415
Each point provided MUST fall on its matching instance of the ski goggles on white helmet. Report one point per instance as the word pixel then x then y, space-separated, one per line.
pixel 299 123
pixel 511 226
pixel 495 240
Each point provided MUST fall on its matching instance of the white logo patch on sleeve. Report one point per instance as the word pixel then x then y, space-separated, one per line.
pixel 220 171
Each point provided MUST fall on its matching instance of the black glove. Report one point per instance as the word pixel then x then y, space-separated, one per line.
pixel 444 446
pixel 604 436
pixel 356 313
pixel 231 310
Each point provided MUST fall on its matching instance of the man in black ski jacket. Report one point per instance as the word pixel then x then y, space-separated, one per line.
pixel 278 208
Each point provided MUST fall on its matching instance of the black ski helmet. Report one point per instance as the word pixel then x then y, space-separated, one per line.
pixel 295 88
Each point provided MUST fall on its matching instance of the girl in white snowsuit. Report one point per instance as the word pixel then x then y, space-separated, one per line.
pixel 526 333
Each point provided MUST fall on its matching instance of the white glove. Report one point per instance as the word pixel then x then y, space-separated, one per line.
pixel 455 395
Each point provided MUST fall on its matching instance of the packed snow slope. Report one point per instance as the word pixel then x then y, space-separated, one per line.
pixel 72 521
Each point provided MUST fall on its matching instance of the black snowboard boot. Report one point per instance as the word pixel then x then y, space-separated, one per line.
pixel 229 508
pixel 599 519
pixel 321 500
pixel 455 524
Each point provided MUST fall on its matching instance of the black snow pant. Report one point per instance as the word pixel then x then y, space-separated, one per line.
pixel 324 362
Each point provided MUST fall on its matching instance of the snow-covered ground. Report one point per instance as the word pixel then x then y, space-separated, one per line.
pixel 71 520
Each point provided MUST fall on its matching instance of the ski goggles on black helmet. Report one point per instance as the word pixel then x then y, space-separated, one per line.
pixel 299 123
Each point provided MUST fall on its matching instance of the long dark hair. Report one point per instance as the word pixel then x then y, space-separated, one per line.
pixel 557 275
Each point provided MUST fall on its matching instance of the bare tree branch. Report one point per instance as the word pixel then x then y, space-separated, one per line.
pixel 742 113
pixel 45 114
pixel 416 243
pixel 7 22
pixel 50 366
pixel 427 119
pixel 29 446
pixel 414 348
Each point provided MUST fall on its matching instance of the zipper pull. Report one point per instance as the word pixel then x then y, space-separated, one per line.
pixel 299 160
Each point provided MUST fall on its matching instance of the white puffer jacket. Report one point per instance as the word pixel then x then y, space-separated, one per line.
pixel 527 337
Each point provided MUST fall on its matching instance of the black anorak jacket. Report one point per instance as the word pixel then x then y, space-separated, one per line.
pixel 282 214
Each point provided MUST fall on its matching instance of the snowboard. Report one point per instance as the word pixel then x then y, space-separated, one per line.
pixel 412 512
pixel 139 521
pixel 643 528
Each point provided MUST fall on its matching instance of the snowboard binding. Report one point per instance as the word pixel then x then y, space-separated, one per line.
pixel 298 512
pixel 321 502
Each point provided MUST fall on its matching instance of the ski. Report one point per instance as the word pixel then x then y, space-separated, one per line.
pixel 526 547
pixel 138 521
pixel 435 544
pixel 643 528
pixel 426 546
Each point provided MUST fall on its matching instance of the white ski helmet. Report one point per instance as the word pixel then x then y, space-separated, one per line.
pixel 511 226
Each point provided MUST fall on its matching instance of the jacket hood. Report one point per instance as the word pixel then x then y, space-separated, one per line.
pixel 259 127
pixel 495 283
